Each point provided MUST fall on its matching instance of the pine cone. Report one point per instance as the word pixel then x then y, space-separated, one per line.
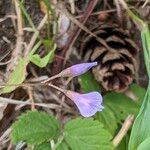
pixel 116 57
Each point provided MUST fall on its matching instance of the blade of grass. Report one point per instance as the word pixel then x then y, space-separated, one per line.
pixel 141 128
pixel 27 16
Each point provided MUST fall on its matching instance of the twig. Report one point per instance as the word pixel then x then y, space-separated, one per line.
pixel 18 102
pixel 7 17
pixel 76 31
pixel 72 5
pixel 124 4
pixel 123 131
pixel 118 10
pixel 99 12
pixel 31 97
pixel 131 95
pixel 35 36
pixel 146 2
pixel 5 134
pixel 19 42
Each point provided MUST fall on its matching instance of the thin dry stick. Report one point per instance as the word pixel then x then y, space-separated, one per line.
pixel 123 131
pixel 99 12
pixel 123 4
pixel 18 102
pixel 72 5
pixel 5 135
pixel 130 94
pixel 19 42
pixel 35 35
pixel 7 17
pixel 118 10
pixel 31 98
pixel 146 2
pixel 75 21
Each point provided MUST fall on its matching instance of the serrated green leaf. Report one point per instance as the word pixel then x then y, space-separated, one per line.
pixel 87 134
pixel 17 76
pixel 42 62
pixel 88 83
pixel 145 145
pixel 34 127
pixel 43 146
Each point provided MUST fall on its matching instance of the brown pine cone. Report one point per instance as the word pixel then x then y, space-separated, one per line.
pixel 116 57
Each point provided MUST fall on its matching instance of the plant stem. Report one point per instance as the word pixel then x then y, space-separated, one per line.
pixel 57 88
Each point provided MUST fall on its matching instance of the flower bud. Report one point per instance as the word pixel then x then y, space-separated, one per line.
pixel 78 69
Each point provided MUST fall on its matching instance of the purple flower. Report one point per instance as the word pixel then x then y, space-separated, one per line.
pixel 78 69
pixel 88 104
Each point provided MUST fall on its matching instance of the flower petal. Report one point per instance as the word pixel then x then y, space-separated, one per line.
pixel 88 104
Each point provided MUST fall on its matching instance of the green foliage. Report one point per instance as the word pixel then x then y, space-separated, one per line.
pixel 88 83
pixel 39 128
pixel 145 145
pixel 107 116
pixel 117 105
pixel 48 4
pixel 87 134
pixel 34 127
pixel 27 16
pixel 63 146
pixel 17 76
pixel 141 129
pixel 43 146
pixel 138 91
pixel 42 62
pixel 124 143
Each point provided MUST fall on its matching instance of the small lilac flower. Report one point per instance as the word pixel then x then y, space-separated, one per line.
pixel 78 69
pixel 88 104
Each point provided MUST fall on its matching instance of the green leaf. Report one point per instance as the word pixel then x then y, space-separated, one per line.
pixel 17 76
pixel 19 73
pixel 87 134
pixel 107 116
pixel 62 146
pixel 124 143
pixel 138 91
pixel 117 107
pixel 145 145
pixel 121 105
pixel 141 129
pixel 43 146
pixel 42 62
pixel 34 127
pixel 88 83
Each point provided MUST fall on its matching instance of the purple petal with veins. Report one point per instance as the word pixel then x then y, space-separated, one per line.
pixel 78 69
pixel 88 104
